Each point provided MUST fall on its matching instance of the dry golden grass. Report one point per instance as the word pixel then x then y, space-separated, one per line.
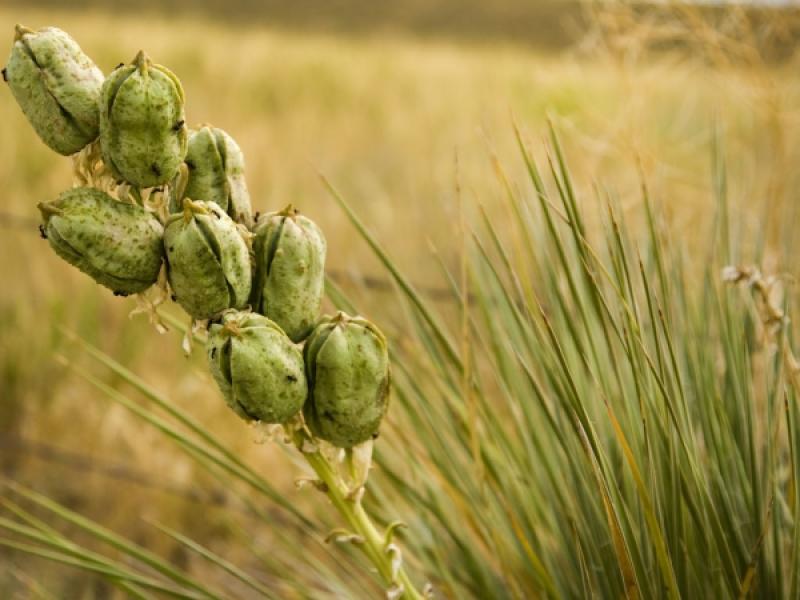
pixel 384 119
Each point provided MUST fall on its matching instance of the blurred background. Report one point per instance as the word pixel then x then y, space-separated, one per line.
pixel 394 102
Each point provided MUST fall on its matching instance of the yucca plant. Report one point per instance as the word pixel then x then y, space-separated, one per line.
pixel 601 416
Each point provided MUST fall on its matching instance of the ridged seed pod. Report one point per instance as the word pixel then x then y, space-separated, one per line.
pixel 143 136
pixel 258 369
pixel 118 244
pixel 208 262
pixel 347 367
pixel 57 87
pixel 290 271
pixel 216 174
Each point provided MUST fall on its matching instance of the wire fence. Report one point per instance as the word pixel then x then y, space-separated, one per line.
pixel 341 276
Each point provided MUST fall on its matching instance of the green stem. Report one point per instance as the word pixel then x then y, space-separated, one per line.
pixel 352 510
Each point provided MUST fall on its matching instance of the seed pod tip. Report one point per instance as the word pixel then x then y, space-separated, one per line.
pixel 289 210
pixel 48 209
pixel 20 30
pixel 141 61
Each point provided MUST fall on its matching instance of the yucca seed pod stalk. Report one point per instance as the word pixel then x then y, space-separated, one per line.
pixel 57 87
pixel 143 134
pixel 208 262
pixel 153 195
pixel 117 243
pixel 347 366
pixel 289 277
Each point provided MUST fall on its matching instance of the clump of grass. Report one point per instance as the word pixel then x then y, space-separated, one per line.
pixel 617 425
pixel 594 413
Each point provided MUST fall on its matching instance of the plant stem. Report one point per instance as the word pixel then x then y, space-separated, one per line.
pixel 349 506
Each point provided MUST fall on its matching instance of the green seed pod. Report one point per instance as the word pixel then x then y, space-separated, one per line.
pixel 208 262
pixel 143 134
pixel 57 87
pixel 347 367
pixel 118 244
pixel 290 271
pixel 215 174
pixel 258 369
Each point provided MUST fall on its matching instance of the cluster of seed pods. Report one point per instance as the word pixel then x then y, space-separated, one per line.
pixel 258 282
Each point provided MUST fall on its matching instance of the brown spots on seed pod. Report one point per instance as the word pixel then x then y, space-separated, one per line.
pixel 5 75
pixel 42 232
pixel 155 169
pixel 178 126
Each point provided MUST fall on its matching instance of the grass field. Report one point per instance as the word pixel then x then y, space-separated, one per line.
pixel 396 123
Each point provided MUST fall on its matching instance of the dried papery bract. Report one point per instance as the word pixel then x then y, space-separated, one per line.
pixel 215 166
pixel 289 278
pixel 258 369
pixel 57 87
pixel 208 262
pixel 347 365
pixel 117 243
pixel 143 134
